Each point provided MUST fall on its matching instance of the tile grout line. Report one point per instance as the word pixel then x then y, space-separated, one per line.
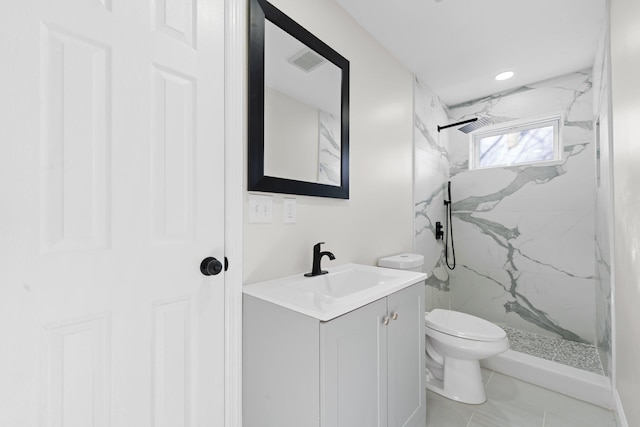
pixel 470 418
pixel 489 379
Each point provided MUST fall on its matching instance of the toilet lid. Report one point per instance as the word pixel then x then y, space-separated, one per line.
pixel 464 325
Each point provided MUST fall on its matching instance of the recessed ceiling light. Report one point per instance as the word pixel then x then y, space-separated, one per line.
pixel 504 75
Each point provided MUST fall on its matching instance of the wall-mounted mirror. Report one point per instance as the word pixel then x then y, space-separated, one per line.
pixel 298 108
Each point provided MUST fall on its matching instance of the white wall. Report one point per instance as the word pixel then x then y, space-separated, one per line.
pixel 625 69
pixel 290 133
pixel 377 220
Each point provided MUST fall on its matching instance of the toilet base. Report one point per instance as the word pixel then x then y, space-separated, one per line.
pixel 462 381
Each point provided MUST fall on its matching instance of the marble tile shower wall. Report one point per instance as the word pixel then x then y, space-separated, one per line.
pixel 604 203
pixel 524 235
pixel 431 174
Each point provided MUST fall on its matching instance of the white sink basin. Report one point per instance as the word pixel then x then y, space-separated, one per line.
pixel 343 289
pixel 339 284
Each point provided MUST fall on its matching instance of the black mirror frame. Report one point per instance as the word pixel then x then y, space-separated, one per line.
pixel 259 10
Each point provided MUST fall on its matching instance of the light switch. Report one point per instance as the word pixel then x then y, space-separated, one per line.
pixel 289 210
pixel 260 209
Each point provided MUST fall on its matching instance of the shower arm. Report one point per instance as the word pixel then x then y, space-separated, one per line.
pixel 464 122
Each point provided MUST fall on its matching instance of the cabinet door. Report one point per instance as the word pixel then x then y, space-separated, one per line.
pixel 354 368
pixel 280 366
pixel 406 370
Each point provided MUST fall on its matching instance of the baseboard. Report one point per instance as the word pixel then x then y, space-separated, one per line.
pixel 619 410
pixel 579 384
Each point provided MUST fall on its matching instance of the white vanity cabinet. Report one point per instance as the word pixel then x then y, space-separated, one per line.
pixel 362 369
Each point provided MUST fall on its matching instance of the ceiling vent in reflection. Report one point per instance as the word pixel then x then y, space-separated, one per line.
pixel 307 60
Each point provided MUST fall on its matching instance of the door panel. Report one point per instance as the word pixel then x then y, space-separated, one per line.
pixel 111 176
pixel 75 142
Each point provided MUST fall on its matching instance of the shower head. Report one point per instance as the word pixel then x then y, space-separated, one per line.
pixel 470 124
pixel 475 125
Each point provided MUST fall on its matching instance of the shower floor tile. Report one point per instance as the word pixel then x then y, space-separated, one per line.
pixel 570 353
pixel 511 402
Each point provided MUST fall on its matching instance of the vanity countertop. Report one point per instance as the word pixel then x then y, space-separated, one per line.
pixel 343 289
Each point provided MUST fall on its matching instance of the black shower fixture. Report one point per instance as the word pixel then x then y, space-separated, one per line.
pixel 464 122
pixel 439 232
pixel 470 124
pixel 448 233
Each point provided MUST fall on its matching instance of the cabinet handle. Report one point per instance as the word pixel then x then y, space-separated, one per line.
pixel 385 321
pixel 394 316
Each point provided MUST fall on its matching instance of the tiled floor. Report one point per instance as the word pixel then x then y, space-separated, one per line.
pixel 514 403
pixel 571 353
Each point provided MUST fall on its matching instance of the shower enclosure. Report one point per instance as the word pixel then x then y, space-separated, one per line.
pixel 525 236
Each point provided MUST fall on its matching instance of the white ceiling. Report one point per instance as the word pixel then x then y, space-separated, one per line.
pixel 456 47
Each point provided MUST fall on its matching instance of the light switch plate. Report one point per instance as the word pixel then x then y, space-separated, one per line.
pixel 260 209
pixel 289 209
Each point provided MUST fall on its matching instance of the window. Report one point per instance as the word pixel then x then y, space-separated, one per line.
pixel 517 143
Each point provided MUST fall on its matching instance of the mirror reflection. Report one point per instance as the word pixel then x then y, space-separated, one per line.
pixel 302 102
pixel 298 109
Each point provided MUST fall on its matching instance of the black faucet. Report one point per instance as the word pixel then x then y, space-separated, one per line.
pixel 317 257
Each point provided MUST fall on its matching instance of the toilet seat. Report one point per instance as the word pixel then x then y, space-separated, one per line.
pixel 463 325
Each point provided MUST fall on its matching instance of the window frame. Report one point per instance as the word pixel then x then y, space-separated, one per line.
pixel 555 120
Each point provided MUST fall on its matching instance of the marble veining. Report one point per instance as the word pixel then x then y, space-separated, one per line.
pixel 433 144
pixel 328 149
pixel 514 249
pixel 504 236
pixel 512 246
pixel 491 99
pixel 604 204
pixel 431 175
pixel 524 234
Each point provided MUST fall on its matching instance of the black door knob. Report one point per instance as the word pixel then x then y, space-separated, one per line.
pixel 210 266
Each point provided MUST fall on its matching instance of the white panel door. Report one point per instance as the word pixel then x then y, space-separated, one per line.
pixel 111 194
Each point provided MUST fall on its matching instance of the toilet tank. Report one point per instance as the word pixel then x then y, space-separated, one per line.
pixel 411 262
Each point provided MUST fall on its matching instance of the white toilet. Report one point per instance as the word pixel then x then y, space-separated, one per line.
pixel 455 344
